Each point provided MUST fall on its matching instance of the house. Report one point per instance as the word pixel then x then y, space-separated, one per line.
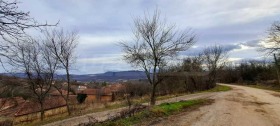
pixel 81 87
pixel 103 94
pixel 30 110
pixel 106 94
pixel 92 94
pixel 117 90
pixel 9 106
pixel 20 110
pixel 56 92
pixel 72 96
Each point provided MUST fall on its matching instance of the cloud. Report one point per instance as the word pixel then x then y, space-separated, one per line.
pixel 253 43
pixel 95 41
pixel 101 64
pixel 231 47
pixel 237 25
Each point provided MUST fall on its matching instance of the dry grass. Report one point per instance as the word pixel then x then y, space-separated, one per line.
pixel 149 116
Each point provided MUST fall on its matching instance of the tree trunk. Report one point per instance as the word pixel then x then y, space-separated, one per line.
pixel 194 88
pixel 68 90
pixel 153 95
pixel 41 111
pixel 212 79
pixel 277 68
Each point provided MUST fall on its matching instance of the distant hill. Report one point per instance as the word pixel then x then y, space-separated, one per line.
pixel 107 76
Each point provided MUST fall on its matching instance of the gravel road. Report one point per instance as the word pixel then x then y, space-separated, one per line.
pixel 242 106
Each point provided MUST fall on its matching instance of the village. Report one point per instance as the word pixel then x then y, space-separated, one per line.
pixel 88 97
pixel 21 110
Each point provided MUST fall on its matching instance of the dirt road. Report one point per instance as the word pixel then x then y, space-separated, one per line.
pixel 242 106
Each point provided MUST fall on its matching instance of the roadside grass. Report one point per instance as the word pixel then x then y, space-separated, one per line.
pixel 144 99
pixel 169 108
pixel 66 116
pixel 271 88
pixel 162 110
pixel 219 88
pixel 45 121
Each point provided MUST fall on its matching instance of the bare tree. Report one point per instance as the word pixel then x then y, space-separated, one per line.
pixel 14 22
pixel 273 39
pixel 13 25
pixel 62 46
pixel 215 58
pixel 155 42
pixel 193 64
pixel 273 45
pixel 35 60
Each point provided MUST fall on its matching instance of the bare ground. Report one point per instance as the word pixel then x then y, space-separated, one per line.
pixel 242 106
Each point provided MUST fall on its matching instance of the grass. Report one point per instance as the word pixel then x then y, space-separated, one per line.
pixel 46 121
pixel 169 108
pixel 265 87
pixel 66 116
pixel 219 88
pixel 162 110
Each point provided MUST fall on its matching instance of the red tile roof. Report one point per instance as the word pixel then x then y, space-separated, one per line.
pixel 56 92
pixel 89 91
pixel 106 91
pixel 6 103
pixel 31 107
pixel 103 91
pixel 8 106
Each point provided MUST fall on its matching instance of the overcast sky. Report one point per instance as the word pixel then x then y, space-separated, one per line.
pixel 238 25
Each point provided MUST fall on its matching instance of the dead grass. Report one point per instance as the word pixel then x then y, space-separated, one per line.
pixel 265 87
pixel 155 114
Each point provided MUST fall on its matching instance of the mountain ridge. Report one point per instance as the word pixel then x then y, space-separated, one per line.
pixel 109 76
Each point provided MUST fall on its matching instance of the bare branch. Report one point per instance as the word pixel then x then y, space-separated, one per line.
pixel 61 45
pixel 14 22
pixel 155 42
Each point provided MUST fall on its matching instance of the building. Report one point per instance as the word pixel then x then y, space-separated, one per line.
pixel 92 95
pixel 20 110
pixel 9 106
pixel 103 94
pixel 30 110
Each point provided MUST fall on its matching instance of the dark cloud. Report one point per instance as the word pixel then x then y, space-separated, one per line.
pixel 253 43
pixel 231 47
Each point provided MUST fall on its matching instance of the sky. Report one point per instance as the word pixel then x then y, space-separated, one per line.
pixel 238 25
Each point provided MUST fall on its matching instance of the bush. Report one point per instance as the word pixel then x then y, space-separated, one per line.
pixel 81 98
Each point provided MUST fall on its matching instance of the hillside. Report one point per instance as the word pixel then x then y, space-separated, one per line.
pixel 107 76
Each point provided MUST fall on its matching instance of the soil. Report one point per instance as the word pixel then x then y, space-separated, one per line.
pixel 242 106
